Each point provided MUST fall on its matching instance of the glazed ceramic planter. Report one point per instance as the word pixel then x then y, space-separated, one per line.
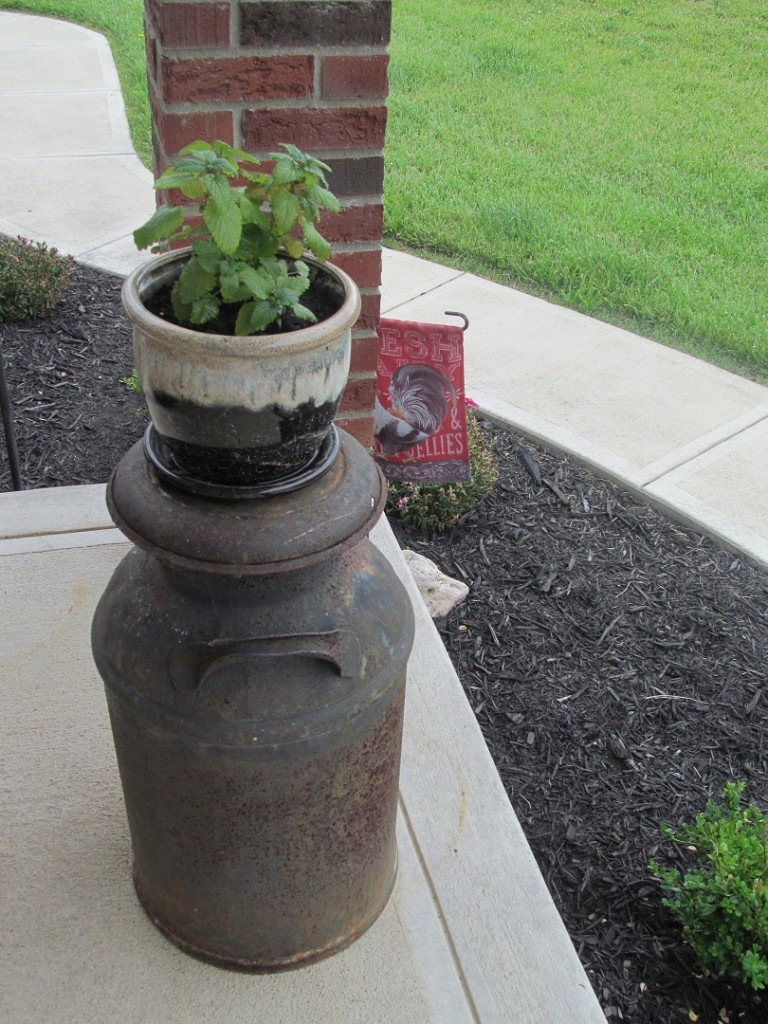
pixel 240 410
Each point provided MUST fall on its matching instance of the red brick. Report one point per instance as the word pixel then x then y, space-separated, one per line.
pixel 192 26
pixel 357 176
pixel 315 128
pixel 150 15
pixel 321 22
pixel 360 427
pixel 364 354
pixel 369 314
pixel 175 131
pixel 354 224
pixel 354 77
pixel 237 78
pixel 358 394
pixel 364 267
pixel 150 48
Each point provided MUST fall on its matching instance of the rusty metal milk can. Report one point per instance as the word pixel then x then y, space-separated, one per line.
pixel 254 656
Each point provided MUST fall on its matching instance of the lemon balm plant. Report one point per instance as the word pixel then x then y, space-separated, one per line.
pixel 242 337
pixel 240 232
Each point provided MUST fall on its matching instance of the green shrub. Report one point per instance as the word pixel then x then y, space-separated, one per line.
pixel 439 506
pixel 722 902
pixel 32 278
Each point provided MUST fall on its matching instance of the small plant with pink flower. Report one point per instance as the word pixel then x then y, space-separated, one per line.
pixel 32 278
pixel 440 506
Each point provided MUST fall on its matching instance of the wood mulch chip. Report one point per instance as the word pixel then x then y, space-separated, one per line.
pixel 615 660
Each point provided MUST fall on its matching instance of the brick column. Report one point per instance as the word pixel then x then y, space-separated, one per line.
pixel 256 73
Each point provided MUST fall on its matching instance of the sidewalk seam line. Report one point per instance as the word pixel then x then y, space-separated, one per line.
pixel 442 918
pixel 705 451
pixel 427 291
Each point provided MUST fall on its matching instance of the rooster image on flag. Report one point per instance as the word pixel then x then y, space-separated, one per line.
pixel 419 416
pixel 420 398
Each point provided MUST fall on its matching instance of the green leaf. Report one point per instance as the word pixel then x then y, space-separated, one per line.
pixel 160 226
pixel 219 190
pixel 195 282
pixel 290 150
pixel 204 309
pixel 194 190
pixel 303 313
pixel 310 211
pixel 318 167
pixel 175 178
pixel 255 316
pixel 323 197
pixel 264 315
pixel 234 155
pixel 293 247
pixel 243 322
pixel 181 310
pixel 258 244
pixel 285 171
pixel 315 242
pixel 194 164
pixel 231 288
pixel 208 254
pixel 224 224
pixel 285 210
pixel 252 213
pixel 196 147
pixel 258 282
pixel 203 159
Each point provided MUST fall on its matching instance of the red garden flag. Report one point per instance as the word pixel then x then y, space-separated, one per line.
pixel 420 426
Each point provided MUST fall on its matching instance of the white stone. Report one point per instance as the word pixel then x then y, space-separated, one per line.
pixel 441 593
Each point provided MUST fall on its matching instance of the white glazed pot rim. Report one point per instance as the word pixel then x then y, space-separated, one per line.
pixel 305 339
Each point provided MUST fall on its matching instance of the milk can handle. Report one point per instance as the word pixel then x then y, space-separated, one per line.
pixel 192 663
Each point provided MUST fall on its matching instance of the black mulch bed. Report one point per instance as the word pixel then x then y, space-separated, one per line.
pixel 616 660
pixel 73 417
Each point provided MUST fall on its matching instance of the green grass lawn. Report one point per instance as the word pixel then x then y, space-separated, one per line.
pixel 611 155
pixel 608 154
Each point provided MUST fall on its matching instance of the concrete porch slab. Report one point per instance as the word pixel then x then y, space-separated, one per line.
pixel 471 934
pixel 49 511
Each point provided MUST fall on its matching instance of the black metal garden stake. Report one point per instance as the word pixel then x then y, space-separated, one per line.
pixel 10 436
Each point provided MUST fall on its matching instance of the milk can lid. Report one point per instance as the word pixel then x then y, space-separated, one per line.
pixel 266 535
